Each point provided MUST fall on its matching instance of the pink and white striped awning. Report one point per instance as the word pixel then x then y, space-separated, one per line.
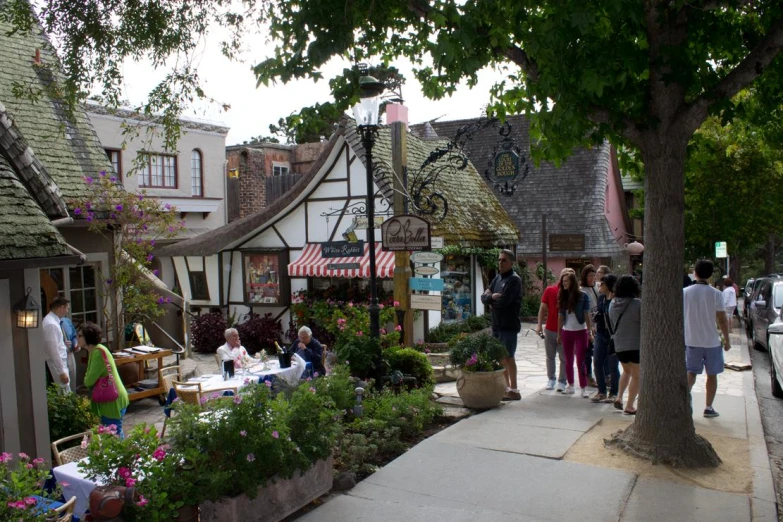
pixel 312 264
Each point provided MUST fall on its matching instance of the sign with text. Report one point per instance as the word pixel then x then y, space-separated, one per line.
pixel 426 258
pixel 566 242
pixel 426 302
pixel 426 270
pixel 361 221
pixel 426 284
pixel 342 249
pixel 720 249
pixel 343 266
pixel 405 232
pixel 436 242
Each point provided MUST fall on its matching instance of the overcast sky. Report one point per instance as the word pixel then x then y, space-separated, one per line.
pixel 254 109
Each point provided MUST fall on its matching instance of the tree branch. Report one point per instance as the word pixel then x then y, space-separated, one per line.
pixel 742 75
pixel 521 58
pixel 628 128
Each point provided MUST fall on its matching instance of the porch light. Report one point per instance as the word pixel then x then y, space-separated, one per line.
pixel 366 111
pixel 635 248
pixel 27 311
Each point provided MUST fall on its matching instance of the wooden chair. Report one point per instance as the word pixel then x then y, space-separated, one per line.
pixel 63 513
pixel 191 392
pixel 69 454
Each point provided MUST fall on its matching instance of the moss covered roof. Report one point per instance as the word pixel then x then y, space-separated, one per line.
pixel 68 148
pixel 25 231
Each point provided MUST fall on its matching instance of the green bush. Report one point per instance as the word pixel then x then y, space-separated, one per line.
pixel 340 386
pixel 478 353
pixel 411 412
pixel 69 413
pixel 358 352
pixel 361 452
pixel 445 331
pixel 530 305
pixel 410 362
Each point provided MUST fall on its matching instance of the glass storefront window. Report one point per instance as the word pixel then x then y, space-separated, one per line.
pixel 78 284
pixel 457 288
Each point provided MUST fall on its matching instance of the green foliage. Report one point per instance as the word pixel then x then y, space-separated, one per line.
pixel 69 413
pixel 359 352
pixel 207 332
pixel 478 353
pixel 339 386
pixel 530 305
pixel 487 257
pixel 410 412
pixel 18 485
pixel 410 362
pixel 444 332
pixel 259 332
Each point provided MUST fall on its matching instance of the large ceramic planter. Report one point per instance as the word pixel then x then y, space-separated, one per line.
pixel 481 390
pixel 276 500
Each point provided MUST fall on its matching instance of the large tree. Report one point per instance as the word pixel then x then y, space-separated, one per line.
pixel 645 74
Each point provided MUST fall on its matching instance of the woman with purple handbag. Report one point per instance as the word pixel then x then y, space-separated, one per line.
pixel 108 397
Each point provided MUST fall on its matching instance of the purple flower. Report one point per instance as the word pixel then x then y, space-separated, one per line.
pixel 168 299
pixel 156 272
pixel 77 211
pixel 275 435
pixel 88 205
pixel 243 433
pixel 119 208
pixel 251 457
pixel 88 180
pixel 150 257
pixel 161 300
pixel 103 173
pixel 141 197
pixel 109 281
pixel 89 218
pixel 152 242
pixel 113 178
pixel 167 206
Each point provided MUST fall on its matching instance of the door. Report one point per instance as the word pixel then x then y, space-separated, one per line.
pixel 763 307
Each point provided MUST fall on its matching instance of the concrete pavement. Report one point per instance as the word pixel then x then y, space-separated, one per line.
pixel 521 462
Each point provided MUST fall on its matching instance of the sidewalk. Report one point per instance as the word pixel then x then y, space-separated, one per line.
pixel 541 458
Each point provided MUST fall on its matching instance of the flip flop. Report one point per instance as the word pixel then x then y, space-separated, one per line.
pixel 627 412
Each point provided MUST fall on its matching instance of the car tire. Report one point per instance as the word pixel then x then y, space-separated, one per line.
pixel 777 390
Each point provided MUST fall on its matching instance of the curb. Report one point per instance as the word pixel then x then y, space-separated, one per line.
pixel 763 502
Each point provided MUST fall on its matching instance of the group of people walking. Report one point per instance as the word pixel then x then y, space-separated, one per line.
pixel 598 315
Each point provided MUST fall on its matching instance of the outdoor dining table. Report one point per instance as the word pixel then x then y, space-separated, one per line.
pixel 74 483
pixel 254 373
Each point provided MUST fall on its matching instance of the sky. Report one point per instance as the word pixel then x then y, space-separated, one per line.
pixel 254 109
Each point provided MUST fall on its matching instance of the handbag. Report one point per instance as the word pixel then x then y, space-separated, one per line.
pixel 105 389
pixel 610 348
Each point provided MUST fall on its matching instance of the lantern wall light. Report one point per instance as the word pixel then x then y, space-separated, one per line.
pixel 27 311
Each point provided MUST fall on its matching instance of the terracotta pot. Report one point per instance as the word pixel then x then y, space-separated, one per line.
pixel 481 390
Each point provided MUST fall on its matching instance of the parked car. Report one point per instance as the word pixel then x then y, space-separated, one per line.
pixel 765 310
pixel 747 290
pixel 775 333
pixel 750 304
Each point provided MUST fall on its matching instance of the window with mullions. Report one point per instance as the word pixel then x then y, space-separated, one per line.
pixel 280 169
pixel 158 171
pixel 78 284
pixel 196 174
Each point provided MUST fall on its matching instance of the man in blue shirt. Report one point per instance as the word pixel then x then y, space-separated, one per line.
pixel 309 349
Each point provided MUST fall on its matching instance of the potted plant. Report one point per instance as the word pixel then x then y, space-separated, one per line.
pixel 479 358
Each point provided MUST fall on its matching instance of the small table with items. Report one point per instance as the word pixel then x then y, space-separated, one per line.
pixel 138 355
pixel 254 373
pixel 74 483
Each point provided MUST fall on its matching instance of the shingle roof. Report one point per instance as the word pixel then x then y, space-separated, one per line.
pixel 475 218
pixel 25 231
pixel 68 149
pixel 572 194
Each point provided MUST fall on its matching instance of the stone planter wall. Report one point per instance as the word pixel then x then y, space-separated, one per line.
pixel 275 501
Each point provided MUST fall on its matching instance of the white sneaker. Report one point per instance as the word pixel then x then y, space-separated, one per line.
pixel 569 390
pixel 560 387
pixel 585 393
pixel 550 384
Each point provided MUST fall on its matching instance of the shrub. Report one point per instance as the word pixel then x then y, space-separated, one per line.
pixel 339 386
pixel 478 353
pixel 410 362
pixel 260 332
pixel 445 331
pixel 69 413
pixel 530 305
pixel 359 352
pixel 207 332
pixel 411 411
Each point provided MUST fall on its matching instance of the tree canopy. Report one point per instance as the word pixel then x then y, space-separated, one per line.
pixel 644 74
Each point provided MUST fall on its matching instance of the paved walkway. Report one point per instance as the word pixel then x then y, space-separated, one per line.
pixel 508 464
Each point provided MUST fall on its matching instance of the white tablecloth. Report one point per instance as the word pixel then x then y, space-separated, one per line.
pixel 75 484
pixel 253 374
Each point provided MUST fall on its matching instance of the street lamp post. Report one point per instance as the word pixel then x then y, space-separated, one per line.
pixel 366 115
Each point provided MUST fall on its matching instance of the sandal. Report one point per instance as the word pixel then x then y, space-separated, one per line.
pixel 629 412
pixel 618 405
pixel 598 397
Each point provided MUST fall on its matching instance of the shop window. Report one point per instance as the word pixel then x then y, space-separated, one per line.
pixel 457 288
pixel 263 277
pixel 79 285
pixel 199 289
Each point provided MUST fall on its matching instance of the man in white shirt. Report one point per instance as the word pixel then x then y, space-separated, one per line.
pixel 233 349
pixel 703 307
pixel 54 343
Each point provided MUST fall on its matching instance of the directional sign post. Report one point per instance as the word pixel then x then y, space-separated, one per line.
pixel 426 284
pixel 720 249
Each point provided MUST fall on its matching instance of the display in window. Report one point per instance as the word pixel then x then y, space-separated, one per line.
pixel 457 302
pixel 262 272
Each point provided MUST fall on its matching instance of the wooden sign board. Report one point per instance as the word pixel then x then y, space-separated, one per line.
pixel 566 242
pixel 426 302
pixel 406 232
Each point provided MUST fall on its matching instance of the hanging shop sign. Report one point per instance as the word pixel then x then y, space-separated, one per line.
pixel 343 266
pixel 405 232
pixel 566 242
pixel 361 222
pixel 426 270
pixel 342 249
pixel 436 242
pixel 426 258
pixel 426 302
pixel 426 284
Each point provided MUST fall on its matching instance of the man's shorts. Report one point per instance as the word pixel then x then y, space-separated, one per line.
pixel 711 359
pixel 508 339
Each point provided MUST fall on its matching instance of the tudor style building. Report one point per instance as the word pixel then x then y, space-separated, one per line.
pixel 257 262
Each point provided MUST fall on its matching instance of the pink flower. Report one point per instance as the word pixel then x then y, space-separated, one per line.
pixel 243 433
pixel 130 482
pixel 396 304
pixel 19 504
pixel 380 306
pixel 275 435
pixel 159 454
pixel 30 501
pixel 350 305
pixel 29 466
pixel 359 333
pixel 398 328
pixel 268 384
pixel 38 461
pixel 203 400
pixel 383 331
pixel 24 456
pixel 65 484
pixel 312 390
pixel 124 472
pixel 142 501
pixel 237 399
pixel 5 457
pixel 251 457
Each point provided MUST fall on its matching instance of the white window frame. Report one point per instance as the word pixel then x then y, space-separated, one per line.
pixel 280 168
pixel 196 173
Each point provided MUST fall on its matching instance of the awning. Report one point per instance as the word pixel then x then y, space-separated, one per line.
pixel 312 264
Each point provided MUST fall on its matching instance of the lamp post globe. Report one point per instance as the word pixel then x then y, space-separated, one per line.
pixel 366 115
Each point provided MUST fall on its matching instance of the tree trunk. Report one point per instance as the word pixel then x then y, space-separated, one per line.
pixel 663 430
